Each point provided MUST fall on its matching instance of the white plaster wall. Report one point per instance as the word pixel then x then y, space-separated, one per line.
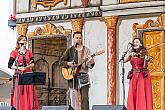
pixel 125 32
pixel 108 2
pixel 77 3
pixel 95 39
pixel 95 2
pixel 22 6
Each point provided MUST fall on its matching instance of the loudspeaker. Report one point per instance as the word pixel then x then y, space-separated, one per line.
pixel 7 108
pixel 57 108
pixel 109 107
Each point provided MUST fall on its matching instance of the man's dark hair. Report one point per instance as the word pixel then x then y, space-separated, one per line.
pixel 77 32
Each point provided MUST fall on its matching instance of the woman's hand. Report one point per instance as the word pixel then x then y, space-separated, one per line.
pixel 22 68
pixel 132 54
pixel 148 58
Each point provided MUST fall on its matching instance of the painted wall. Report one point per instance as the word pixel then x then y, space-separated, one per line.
pixel 22 6
pixel 109 2
pixel 95 39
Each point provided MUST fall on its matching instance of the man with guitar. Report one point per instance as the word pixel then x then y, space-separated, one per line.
pixel 76 62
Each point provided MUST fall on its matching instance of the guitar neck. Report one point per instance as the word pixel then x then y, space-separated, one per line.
pixel 95 54
pixel 87 59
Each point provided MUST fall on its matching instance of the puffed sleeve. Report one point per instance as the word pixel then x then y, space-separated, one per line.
pixel 13 54
pixel 12 58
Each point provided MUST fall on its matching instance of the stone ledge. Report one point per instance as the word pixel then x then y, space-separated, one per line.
pixel 132 5
pixel 135 11
pixel 133 8
pixel 57 12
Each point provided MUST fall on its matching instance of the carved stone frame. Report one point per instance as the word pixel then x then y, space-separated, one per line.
pixel 68 38
pixel 141 31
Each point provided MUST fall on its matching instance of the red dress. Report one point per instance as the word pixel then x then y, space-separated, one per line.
pixel 25 98
pixel 140 88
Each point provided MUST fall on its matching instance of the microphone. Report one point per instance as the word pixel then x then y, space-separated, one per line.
pixel 132 45
pixel 21 44
pixel 21 47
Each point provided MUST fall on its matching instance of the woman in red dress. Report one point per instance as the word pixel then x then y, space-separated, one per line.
pixel 140 88
pixel 21 60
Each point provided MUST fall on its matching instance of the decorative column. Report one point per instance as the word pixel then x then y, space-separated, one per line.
pixel 85 3
pixel 161 23
pixel 161 87
pixel 77 25
pixel 111 23
pixel 22 29
pixel 162 51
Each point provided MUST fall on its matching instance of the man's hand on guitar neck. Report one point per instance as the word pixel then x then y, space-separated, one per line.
pixel 71 64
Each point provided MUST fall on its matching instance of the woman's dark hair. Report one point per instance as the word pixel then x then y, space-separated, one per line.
pixel 77 32
pixel 141 47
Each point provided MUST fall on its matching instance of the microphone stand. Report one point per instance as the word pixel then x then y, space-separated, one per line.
pixel 73 82
pixel 16 81
pixel 123 71
pixel 73 66
pixel 17 77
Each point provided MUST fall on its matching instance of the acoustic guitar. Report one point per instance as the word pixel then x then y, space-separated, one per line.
pixel 68 72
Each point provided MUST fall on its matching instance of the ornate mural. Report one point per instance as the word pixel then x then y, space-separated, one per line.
pixel 49 29
pixel 153 35
pixel 48 3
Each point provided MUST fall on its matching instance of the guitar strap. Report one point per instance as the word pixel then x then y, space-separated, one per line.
pixel 82 55
pixel 83 78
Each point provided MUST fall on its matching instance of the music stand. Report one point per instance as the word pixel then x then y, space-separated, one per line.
pixel 32 78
